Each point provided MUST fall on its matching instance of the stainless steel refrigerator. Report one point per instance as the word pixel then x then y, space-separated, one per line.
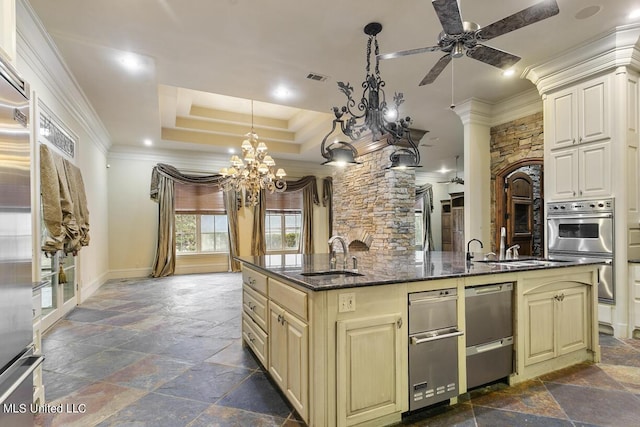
pixel 17 361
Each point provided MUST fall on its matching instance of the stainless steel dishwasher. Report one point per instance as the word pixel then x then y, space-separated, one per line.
pixel 433 347
pixel 489 333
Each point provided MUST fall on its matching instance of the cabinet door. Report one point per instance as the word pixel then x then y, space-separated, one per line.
pixel 572 320
pixel 562 124
pixel 539 323
pixel 289 356
pixel 277 345
pixel 297 387
pixel 595 170
pixel 368 368
pixel 562 174
pixel 594 109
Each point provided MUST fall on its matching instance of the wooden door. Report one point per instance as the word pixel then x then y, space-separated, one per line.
pixel 520 212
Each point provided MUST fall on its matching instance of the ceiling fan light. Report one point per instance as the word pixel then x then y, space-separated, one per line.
pixel 458 50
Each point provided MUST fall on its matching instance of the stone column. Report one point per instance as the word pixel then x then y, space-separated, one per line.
pixel 370 200
pixel 475 116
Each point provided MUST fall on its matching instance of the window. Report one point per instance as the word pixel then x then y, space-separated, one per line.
pixel 200 233
pixel 201 221
pixel 282 230
pixel 283 222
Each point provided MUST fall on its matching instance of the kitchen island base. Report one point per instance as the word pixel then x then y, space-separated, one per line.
pixel 340 354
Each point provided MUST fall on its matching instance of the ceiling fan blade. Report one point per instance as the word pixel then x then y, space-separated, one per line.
pixel 492 56
pixel 539 11
pixel 407 52
pixel 449 15
pixel 436 70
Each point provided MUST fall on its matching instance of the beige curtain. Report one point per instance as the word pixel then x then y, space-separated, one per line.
pixel 327 200
pixel 162 191
pixel 64 204
pixel 165 261
pixel 307 218
pixel 258 243
pixel 231 206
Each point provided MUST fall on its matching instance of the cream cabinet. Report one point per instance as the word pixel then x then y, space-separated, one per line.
pixel 368 368
pixel 579 115
pixel 583 171
pixel 8 30
pixel 578 141
pixel 289 343
pixel 254 315
pixel 556 323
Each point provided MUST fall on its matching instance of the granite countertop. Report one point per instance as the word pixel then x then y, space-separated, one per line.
pixel 383 268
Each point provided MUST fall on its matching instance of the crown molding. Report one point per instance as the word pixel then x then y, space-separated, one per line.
pixel 208 162
pixel 615 48
pixel 518 106
pixel 37 50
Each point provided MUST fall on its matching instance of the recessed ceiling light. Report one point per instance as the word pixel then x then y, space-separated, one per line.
pixel 281 92
pixel 148 142
pixel 587 12
pixel 131 62
pixel 509 73
pixel 232 150
pixel 634 14
pixel 444 170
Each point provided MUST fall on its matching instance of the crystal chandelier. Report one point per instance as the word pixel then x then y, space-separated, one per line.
pixel 370 116
pixel 254 171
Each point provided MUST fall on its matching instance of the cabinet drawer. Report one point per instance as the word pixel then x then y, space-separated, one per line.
pixel 255 305
pixel 255 338
pixel 293 300
pixel 254 279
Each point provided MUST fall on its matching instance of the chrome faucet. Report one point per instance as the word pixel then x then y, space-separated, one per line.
pixel 333 253
pixel 469 254
pixel 512 252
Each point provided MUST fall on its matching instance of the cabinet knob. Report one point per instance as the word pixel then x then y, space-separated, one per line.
pixel 399 323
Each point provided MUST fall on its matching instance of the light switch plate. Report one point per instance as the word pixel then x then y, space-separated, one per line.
pixel 346 302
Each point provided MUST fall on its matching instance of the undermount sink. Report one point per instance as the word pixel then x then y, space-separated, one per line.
pixel 347 273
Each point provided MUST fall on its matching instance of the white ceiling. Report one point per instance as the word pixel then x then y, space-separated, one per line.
pixel 190 50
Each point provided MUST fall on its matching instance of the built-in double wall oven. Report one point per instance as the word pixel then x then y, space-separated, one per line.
pixel 584 230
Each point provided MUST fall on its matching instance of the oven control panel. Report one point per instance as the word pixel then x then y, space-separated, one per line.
pixel 580 206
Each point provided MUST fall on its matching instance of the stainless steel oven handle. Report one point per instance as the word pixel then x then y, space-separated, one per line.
pixel 22 378
pixel 416 340
pixel 579 216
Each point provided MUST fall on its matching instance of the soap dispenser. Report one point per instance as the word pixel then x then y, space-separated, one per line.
pixel 503 243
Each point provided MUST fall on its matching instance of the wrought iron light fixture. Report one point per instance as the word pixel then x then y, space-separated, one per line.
pixel 254 171
pixel 371 117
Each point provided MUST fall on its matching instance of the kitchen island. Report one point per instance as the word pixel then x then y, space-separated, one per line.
pixel 337 343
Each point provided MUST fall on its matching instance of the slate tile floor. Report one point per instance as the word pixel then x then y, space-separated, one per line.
pixel 167 352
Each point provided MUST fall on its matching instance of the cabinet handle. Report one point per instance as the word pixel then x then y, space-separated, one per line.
pixel 251 338
pixel 252 281
pixel 280 318
pixel 580 139
pixel 573 141
pixel 399 323
pixel 580 192
pixel 574 193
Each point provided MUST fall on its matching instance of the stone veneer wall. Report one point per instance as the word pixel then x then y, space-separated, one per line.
pixel 511 142
pixel 369 198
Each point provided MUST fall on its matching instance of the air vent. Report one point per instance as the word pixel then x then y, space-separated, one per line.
pixel 317 77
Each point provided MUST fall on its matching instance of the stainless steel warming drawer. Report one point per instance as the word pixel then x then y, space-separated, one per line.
pixel 489 333
pixel 433 347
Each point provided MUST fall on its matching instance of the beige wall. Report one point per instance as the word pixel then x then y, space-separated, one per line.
pixel 39 64
pixel 133 217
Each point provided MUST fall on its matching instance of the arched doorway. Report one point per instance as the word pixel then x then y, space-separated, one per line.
pixel 520 205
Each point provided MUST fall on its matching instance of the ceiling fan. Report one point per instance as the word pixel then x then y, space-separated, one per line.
pixel 454 180
pixel 459 37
